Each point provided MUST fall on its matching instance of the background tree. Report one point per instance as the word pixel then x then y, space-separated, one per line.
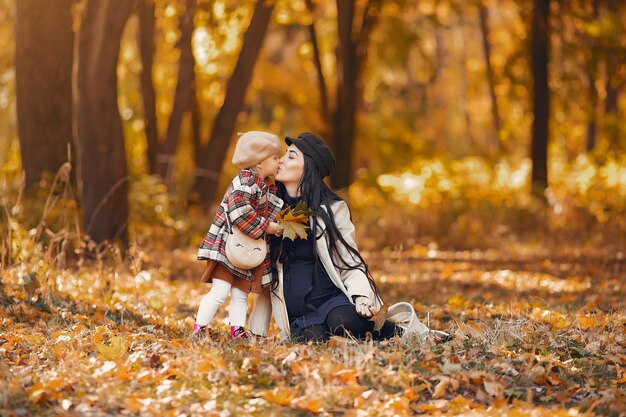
pixel 351 55
pixel 483 13
pixel 100 141
pixel 43 63
pixel 211 157
pixel 146 37
pixel 184 96
pixel 541 97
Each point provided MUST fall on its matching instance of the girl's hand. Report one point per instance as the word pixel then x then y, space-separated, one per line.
pixel 273 229
pixel 364 306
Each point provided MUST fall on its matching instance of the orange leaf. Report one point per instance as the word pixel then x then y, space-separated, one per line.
pixel 585 322
pixel 313 405
pixel 279 395
pixel 115 351
pixel 132 404
pixel 348 376
pixel 457 300
pixel 379 317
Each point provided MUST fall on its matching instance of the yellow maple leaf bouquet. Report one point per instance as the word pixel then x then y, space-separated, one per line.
pixel 293 222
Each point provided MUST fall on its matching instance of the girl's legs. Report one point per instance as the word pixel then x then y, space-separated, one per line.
pixel 345 319
pixel 238 307
pixel 211 301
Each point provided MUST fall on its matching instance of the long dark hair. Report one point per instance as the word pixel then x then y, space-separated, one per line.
pixel 319 198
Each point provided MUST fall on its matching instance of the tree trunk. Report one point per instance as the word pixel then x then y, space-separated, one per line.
pixel 351 57
pixel 317 60
pixel 541 97
pixel 614 83
pixel 212 158
pixel 471 141
pixel 592 75
pixel 145 13
pixel 43 63
pixel 183 97
pixel 346 92
pixel 611 117
pixel 495 112
pixel 100 138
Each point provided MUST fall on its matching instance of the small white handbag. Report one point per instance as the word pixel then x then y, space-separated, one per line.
pixel 403 315
pixel 242 251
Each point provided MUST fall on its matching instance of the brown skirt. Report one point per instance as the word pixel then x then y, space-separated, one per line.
pixel 217 270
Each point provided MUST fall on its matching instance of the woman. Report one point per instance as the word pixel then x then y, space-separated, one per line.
pixel 321 286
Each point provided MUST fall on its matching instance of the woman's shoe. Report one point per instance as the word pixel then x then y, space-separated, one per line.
pixel 237 332
pixel 197 328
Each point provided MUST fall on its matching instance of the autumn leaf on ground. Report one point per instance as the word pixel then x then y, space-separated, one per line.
pixel 115 351
pixel 379 317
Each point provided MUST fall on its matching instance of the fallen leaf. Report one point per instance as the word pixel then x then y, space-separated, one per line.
pixel 279 395
pixel 457 300
pixel 440 388
pixel 115 351
pixel 493 388
pixel 312 405
pixel 379 317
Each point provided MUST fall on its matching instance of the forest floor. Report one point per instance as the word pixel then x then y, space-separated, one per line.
pixel 534 334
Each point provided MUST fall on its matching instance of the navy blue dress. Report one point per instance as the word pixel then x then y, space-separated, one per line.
pixel 310 294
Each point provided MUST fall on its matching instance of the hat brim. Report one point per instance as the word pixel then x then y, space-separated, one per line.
pixel 289 140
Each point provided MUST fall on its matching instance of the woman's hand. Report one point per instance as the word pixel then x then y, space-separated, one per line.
pixel 364 306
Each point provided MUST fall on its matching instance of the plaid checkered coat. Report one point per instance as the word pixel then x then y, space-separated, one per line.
pixel 251 205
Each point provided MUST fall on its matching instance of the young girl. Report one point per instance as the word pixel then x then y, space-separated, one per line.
pixel 251 205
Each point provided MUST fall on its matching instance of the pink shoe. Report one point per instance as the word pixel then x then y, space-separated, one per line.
pixel 197 328
pixel 237 332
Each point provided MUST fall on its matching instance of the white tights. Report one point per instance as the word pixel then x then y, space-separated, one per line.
pixel 237 309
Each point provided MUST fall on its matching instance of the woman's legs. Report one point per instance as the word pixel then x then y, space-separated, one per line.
pixel 238 307
pixel 345 319
pixel 211 301
pixel 316 333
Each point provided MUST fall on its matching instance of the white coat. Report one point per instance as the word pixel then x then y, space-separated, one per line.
pixel 353 282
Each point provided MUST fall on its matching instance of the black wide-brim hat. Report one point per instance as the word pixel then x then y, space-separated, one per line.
pixel 314 147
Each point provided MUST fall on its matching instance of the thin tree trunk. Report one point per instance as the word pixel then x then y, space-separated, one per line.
pixel 43 63
pixel 321 81
pixel 614 83
pixel 464 91
pixel 495 112
pixel 183 98
pixel 346 94
pixel 100 139
pixel 212 158
pixel 611 117
pixel 541 97
pixel 592 75
pixel 351 57
pixel 145 13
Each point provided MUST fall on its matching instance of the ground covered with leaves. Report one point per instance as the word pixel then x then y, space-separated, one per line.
pixel 533 335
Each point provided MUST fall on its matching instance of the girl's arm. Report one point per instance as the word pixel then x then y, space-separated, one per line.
pixel 240 209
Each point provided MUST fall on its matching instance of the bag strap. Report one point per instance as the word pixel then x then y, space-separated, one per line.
pixel 226 213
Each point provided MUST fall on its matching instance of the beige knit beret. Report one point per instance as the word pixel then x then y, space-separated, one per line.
pixel 254 147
